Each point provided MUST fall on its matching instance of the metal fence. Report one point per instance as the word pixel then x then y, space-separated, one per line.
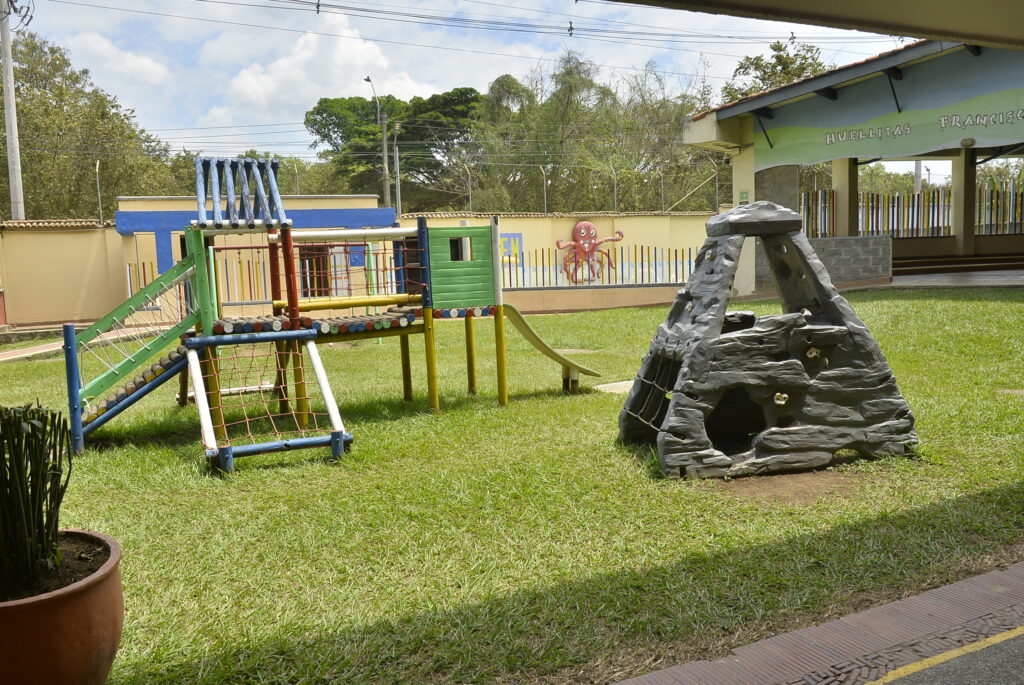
pixel 624 265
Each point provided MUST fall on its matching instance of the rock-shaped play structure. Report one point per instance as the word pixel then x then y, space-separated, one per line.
pixel 733 394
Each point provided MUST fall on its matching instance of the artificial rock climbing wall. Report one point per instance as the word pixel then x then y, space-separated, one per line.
pixel 732 394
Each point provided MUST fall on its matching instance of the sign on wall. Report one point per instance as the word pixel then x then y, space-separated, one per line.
pixel 942 102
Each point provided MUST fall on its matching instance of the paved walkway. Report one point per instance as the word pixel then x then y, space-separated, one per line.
pixel 967 279
pixel 895 642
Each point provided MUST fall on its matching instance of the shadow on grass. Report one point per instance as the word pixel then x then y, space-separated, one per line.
pixel 692 607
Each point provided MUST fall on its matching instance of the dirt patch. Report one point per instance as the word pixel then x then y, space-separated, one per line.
pixel 80 558
pixel 791 488
pixel 340 345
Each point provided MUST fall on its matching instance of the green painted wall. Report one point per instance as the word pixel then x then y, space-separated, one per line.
pixel 461 283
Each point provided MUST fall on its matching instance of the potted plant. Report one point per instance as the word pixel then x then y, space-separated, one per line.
pixel 60 590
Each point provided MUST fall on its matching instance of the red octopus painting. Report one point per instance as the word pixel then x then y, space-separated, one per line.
pixel 585 261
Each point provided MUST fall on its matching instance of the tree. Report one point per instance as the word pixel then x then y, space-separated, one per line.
pixel 431 131
pixel 875 178
pixel 788 62
pixel 66 125
pixel 590 144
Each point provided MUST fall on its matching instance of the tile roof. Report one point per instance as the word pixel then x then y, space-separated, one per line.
pixel 54 224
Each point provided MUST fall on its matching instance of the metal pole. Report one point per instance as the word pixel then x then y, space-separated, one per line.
pixel 384 157
pixel 615 190
pixel 382 119
pixel 398 174
pixel 11 117
pixel 544 173
pixel 99 196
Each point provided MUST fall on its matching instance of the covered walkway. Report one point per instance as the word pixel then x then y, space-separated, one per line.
pixel 929 100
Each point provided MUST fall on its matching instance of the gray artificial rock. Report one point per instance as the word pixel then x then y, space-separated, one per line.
pixel 733 394
pixel 758 218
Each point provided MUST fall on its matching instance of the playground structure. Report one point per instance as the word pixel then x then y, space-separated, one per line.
pixel 257 380
pixel 734 394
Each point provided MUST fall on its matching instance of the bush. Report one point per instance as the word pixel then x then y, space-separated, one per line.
pixel 35 465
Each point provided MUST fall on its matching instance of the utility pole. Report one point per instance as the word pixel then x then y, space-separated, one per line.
pixel 917 176
pixel 398 174
pixel 11 116
pixel 99 195
pixel 382 119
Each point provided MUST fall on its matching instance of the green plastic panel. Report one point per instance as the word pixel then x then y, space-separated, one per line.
pixel 467 283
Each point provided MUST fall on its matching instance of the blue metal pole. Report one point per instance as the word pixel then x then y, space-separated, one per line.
pixel 246 338
pixel 201 163
pixel 74 389
pixel 424 244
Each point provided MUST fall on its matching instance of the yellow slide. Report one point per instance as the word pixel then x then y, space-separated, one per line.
pixel 570 370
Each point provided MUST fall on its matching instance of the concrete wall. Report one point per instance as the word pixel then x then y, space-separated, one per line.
pixel 855 260
pixel 541 300
pixel 53 276
pixel 539 231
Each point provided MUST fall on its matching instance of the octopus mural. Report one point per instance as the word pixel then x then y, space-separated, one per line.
pixel 585 260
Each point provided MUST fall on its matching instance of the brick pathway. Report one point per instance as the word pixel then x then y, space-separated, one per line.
pixel 861 647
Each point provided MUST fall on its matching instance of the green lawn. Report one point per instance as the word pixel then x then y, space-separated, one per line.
pixel 522 543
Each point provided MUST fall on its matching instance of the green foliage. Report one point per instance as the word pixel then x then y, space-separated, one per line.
pixel 590 144
pixel 35 465
pixel 67 124
pixel 429 130
pixel 596 145
pixel 787 62
pixel 875 178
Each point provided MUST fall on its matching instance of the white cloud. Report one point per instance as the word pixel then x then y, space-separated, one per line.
pixel 316 66
pixel 113 63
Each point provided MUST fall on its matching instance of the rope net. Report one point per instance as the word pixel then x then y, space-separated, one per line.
pixel 654 391
pixel 262 392
pixel 133 345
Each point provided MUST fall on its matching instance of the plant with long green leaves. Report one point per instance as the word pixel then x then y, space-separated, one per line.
pixel 35 466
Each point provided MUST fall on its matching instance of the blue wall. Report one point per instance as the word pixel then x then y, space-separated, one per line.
pixel 162 224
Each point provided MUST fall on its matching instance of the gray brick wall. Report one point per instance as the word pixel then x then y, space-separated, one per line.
pixel 848 260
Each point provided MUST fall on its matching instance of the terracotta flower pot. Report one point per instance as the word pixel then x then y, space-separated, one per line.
pixel 68 636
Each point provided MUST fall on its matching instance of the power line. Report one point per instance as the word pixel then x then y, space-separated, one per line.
pixel 372 40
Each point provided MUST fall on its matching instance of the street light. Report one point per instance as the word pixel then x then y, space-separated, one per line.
pixel 382 119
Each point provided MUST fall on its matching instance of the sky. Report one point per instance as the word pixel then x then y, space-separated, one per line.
pixel 224 76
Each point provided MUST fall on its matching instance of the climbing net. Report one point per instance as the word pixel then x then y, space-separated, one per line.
pixel 137 339
pixel 267 395
pixel 653 391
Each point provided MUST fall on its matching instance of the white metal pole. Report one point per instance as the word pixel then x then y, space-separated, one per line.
pixel 11 117
pixel 325 386
pixel 202 407
pixel 99 197
pixel 398 173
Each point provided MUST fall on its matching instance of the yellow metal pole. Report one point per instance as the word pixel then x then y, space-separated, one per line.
pixel 406 368
pixel 428 342
pixel 499 349
pixel 471 354
pixel 301 394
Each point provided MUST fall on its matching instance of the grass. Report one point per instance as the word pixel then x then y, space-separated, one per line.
pixel 522 543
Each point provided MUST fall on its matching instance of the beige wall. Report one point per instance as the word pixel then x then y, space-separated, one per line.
pixel 61 275
pixel 666 230
pixel 582 299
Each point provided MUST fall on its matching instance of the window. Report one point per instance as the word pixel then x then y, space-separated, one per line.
pixel 461 249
